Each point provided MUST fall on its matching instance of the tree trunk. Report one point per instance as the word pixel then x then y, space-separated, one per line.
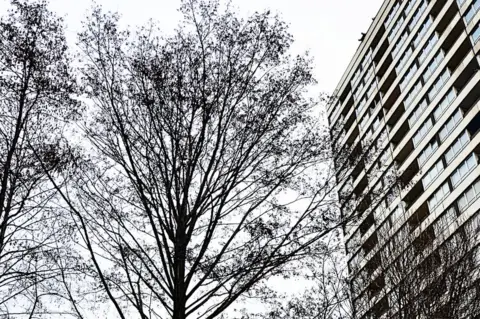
pixel 180 294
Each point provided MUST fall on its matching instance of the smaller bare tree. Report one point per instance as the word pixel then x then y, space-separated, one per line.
pixel 419 276
pixel 36 88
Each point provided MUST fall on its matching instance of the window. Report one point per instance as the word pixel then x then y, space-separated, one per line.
pixel 358 91
pixel 433 66
pixel 363 122
pixel 382 139
pixel 422 132
pixel 371 89
pixel 396 214
pixel 463 169
pixel 371 156
pixel 472 10
pixel 385 156
pixel 439 84
pixel 399 44
pixel 393 299
pixel 476 34
pixel 432 174
pixel 412 94
pixel 391 196
pixel 398 240
pixel 469 196
pixel 428 47
pixel 408 53
pixel 367 136
pixel 377 190
pixel 417 15
pixel 367 58
pixel 427 152
pixel 437 198
pixel 406 79
pixel 457 146
pixel 423 30
pixel 376 123
pixel 356 77
pixel 383 230
pixel 418 112
pixel 472 227
pixel 353 263
pixel 361 105
pixel 410 6
pixel 361 302
pixel 450 125
pixel 444 104
pixel 395 29
pixel 389 177
pixel 369 74
pixel 392 13
pixel 445 220
pixel 476 254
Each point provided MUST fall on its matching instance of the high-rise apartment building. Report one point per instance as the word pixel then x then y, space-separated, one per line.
pixel 409 100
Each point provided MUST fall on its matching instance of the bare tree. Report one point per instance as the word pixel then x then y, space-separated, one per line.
pixel 424 276
pixel 330 294
pixel 208 172
pixel 35 101
pixel 326 293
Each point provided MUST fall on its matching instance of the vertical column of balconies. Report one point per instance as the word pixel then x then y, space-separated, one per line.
pixel 402 119
pixel 369 239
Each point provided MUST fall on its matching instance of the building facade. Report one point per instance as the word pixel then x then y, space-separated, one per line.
pixel 409 101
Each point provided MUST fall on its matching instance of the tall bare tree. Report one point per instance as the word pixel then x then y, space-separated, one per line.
pixel 35 101
pixel 208 172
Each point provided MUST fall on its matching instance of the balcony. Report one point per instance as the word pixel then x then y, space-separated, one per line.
pixel 407 179
pixel 400 132
pixel 405 152
pixel 379 309
pixel 462 76
pixel 367 224
pixel 373 264
pixel 376 287
pixel 369 244
pixel 424 241
pixel 414 193
pixel 473 127
pixel 393 91
pixel 418 217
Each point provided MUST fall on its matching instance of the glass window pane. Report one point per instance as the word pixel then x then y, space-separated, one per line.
pixel 455 178
pixel 470 194
pixel 477 187
pixel 462 202
pixel 446 189
pixel 442 134
pixel 448 156
pixel 472 162
pixel 476 34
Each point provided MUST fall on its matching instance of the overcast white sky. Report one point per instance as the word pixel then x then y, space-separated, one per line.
pixel 329 29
